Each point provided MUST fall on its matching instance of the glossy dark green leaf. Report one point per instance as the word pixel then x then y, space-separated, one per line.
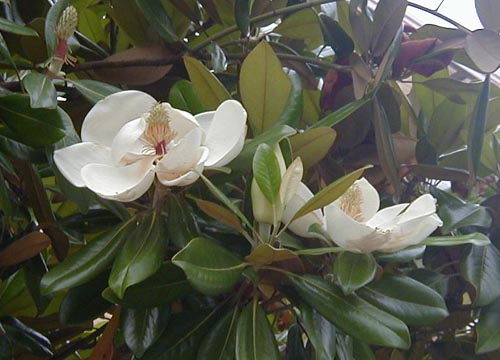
pixel 141 255
pixel 488 332
pixel 354 271
pixel 254 335
pixel 14 28
pixel 481 267
pixel 336 37
pixel 26 337
pixel 88 262
pixel 4 51
pixel 387 20
pixel 330 193
pixel 211 275
pixel 407 299
pixel 168 284
pixel 181 224
pixel 432 279
pixel 182 337
pixel 50 25
pixel 84 303
pixel 94 90
pixel 295 344
pixel 385 146
pixel 477 129
pixel 320 332
pixel 41 90
pixel 242 16
pixel 405 255
pixel 362 350
pixel 93 221
pixel 34 127
pixel 266 171
pixel 183 96
pixel 352 314
pixel 244 160
pixel 341 114
pixel 141 327
pixel 220 342
pixel 154 11
pixel 456 213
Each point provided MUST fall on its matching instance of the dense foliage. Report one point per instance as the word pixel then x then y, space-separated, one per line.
pixel 269 248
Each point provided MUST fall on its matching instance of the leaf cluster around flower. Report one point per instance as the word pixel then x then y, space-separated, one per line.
pixel 355 223
pixel 128 138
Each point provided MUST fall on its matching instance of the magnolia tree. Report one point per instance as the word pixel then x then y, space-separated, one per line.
pixel 248 180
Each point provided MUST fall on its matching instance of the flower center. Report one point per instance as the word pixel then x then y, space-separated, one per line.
pixel 158 133
pixel 351 201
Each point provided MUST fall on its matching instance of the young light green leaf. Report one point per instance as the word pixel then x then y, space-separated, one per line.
pixel 266 171
pixel 42 92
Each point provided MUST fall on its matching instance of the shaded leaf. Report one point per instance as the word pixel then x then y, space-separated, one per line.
pixel 13 28
pixel 94 90
pixel 488 332
pixel 320 332
pixel 41 90
pixel 313 144
pixel 154 11
pixel 303 25
pixel 219 213
pixel 24 248
pixel 219 343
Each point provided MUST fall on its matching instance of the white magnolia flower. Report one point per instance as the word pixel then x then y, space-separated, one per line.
pixel 354 221
pixel 128 138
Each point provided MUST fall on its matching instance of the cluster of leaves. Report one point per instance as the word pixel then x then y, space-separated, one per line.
pixel 86 277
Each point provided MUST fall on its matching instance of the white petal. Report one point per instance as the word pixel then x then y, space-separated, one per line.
pixel 411 232
pixel 180 164
pixel 127 145
pixel 122 183
pixel 386 217
pixel 226 134
pixel 302 224
pixel 205 119
pixel 70 160
pixel 424 205
pixel 108 116
pixel 365 197
pixel 350 234
pixel 181 123
pixel 261 208
pixel 291 180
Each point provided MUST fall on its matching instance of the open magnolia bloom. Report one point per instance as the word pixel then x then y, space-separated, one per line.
pixel 128 138
pixel 354 221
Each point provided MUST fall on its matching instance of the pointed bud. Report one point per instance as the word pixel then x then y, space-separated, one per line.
pixel 68 21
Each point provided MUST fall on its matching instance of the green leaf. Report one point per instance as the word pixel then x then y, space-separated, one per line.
pixel 407 299
pixel 254 335
pixel 242 16
pixel 84 303
pixel 295 344
pixel 210 90
pixel 26 337
pixel 219 344
pixel 330 193
pixel 143 326
pixel 336 37
pixel 88 262
pixel 154 11
pixel 477 239
pixel 341 114
pixel 313 144
pixel 320 332
pixel 481 267
pixel 141 255
pixel 303 25
pixel 489 14
pixel 266 171
pixel 488 332
pixel 352 314
pixel 477 129
pixel 483 47
pixel 166 285
pixel 94 90
pixel 295 103
pixel 184 97
pixel 51 23
pixel 264 87
pixel 13 28
pixel 34 127
pixel 5 53
pixel 456 213
pixel 181 224
pixel 275 135
pixel 41 90
pixel 353 271
pixel 211 275
pixel 385 146
pixel 387 20
pixel 182 337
